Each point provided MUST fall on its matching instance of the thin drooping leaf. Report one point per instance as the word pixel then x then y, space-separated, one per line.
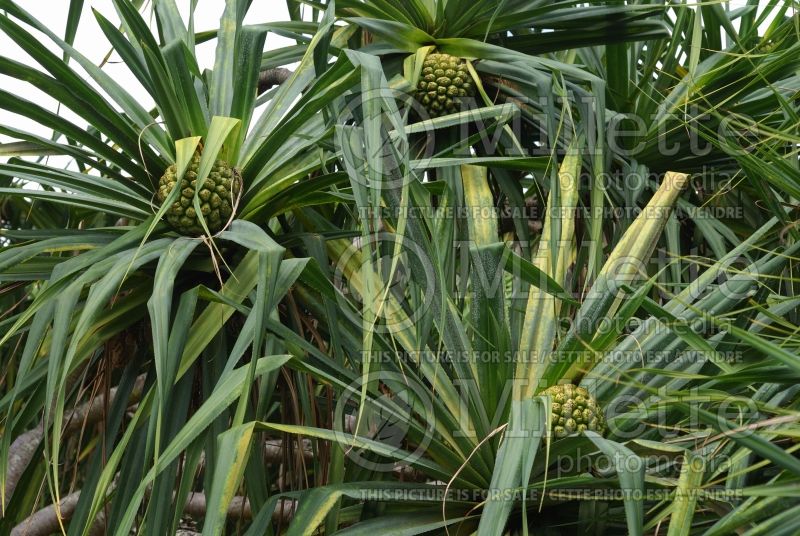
pixel 234 448
pixel 521 440
pixel 552 259
pixel 224 394
pixel 686 495
pixel 624 265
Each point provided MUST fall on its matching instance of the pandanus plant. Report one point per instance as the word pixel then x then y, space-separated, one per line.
pixel 382 318
pixel 453 371
pixel 114 317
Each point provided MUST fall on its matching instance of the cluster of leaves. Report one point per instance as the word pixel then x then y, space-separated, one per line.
pixel 362 350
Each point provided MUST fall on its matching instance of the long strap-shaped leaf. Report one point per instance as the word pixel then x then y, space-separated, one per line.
pixel 234 450
pixel 555 248
pixel 521 440
pixel 487 307
pixel 624 265
pixel 111 273
pixel 223 396
pixel 630 471
pixel 137 113
pixel 683 508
